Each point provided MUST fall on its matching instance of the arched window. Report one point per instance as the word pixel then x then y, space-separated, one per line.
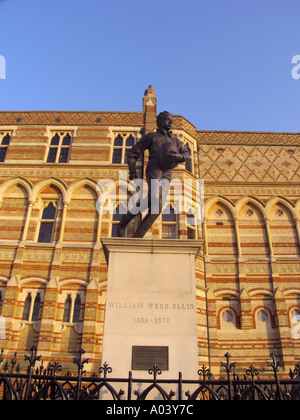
pixel 36 308
pixel 4 143
pixel 72 309
pixel 32 307
pixel 59 149
pixel 295 316
pixel 263 320
pixel 228 321
pixel 47 224
pixel 169 225
pixel 128 146
pixel 118 147
pixel 122 144
pixel 188 161
pixel 76 313
pixel 27 307
pixel 67 309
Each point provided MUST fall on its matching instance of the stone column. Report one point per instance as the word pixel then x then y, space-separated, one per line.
pixel 213 342
pixel 50 329
pixel 237 237
pixel 63 221
pixel 284 331
pixel 267 225
pixel 205 237
pixel 92 334
pixel 27 220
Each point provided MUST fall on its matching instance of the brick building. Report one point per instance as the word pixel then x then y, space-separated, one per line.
pixel 53 270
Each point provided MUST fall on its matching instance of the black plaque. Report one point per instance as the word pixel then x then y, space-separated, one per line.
pixel 145 357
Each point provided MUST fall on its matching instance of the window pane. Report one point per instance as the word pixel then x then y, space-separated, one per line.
pixel 55 140
pixel 191 234
pixel 117 156
pixel 76 315
pixel 49 212
pixel 118 141
pixel 190 218
pixel 64 155
pixel 52 154
pixel 67 309
pixel 169 231
pixel 26 309
pixel 3 151
pixel 6 140
pixel 130 141
pixel 118 213
pixel 36 308
pixel 46 231
pixel 188 164
pixel 168 215
pixel 126 155
pixel 187 146
pixel 114 233
pixel 66 140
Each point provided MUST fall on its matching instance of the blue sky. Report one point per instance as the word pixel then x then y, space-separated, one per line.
pixel 223 64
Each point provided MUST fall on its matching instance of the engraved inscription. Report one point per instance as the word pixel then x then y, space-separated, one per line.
pixel 145 357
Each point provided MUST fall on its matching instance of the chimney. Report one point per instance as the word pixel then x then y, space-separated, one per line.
pixel 149 109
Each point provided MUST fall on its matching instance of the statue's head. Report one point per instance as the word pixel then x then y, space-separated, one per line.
pixel 165 120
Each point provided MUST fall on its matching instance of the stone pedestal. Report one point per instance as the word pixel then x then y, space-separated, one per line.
pixel 151 306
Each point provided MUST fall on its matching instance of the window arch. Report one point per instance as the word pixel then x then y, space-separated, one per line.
pixel 77 307
pixel 26 309
pixel 189 162
pixel 36 308
pixel 13 211
pixel 228 319
pixel 169 223
pixel 294 316
pixel 32 306
pixel 59 149
pixel 123 142
pixel 67 309
pixel 72 309
pixel 263 319
pixel 283 230
pixel 47 223
pixel 221 235
pixel 4 143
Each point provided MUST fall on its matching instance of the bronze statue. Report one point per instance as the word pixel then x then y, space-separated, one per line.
pixel 165 153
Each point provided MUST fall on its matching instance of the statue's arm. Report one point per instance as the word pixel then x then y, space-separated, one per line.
pixel 136 151
pixel 183 153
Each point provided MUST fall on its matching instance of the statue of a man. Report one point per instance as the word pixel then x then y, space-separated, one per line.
pixel 165 153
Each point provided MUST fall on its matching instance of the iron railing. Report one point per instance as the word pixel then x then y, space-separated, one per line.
pixel 49 383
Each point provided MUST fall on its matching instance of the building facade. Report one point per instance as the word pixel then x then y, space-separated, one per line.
pixel 53 271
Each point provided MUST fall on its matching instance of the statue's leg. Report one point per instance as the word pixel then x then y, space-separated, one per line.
pixel 150 218
pixel 148 221
pixel 126 218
